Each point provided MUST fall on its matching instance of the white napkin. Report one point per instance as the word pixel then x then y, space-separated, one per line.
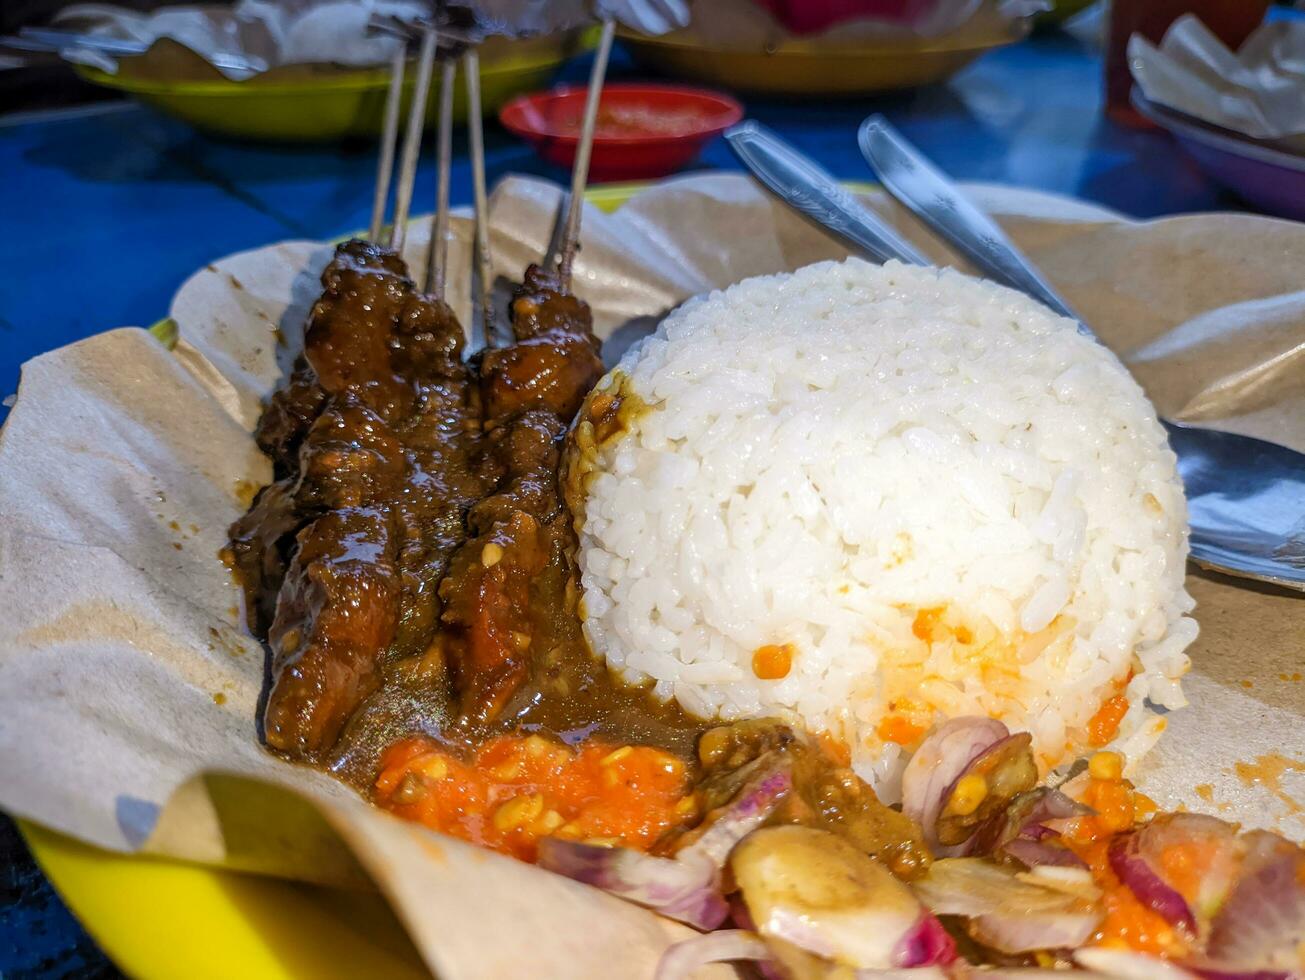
pixel 1258 92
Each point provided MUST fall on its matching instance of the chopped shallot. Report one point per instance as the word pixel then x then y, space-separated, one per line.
pixel 1135 871
pixel 728 945
pixel 687 886
pixel 939 762
pixel 1010 911
pixel 1261 926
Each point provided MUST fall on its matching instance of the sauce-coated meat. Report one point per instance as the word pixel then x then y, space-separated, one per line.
pixel 375 443
pixel 336 612
pixel 554 361
pixel 531 390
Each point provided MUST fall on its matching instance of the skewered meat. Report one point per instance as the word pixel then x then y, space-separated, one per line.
pixel 375 437
pixel 530 390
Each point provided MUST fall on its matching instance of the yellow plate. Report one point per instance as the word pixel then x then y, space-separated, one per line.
pixel 813 68
pixel 166 919
pixel 330 104
pixel 163 919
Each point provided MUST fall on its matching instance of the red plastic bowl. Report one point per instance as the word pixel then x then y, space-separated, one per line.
pixel 643 131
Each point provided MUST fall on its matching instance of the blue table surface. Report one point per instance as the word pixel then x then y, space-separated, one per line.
pixel 104 212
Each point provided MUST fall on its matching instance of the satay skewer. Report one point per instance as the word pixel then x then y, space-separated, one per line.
pixel 438 254
pixel 476 136
pixel 389 136
pixel 412 138
pixel 580 168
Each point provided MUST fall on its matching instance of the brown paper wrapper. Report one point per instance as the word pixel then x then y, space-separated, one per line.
pixel 129 685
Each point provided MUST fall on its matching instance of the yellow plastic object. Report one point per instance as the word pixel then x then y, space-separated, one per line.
pixel 164 919
pixel 332 104
pixel 813 68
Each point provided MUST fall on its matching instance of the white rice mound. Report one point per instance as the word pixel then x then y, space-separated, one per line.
pixel 936 496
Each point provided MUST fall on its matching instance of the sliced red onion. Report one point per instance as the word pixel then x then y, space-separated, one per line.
pixel 1210 973
pixel 928 944
pixel 912 973
pixel 750 808
pixel 939 762
pixel 1217 842
pixel 1128 965
pixel 1025 822
pixel 1010 911
pixel 1025 933
pixel 1008 770
pixel 1262 924
pixel 1050 804
pixel 1135 871
pixel 684 889
pixel 728 945
pixel 1040 853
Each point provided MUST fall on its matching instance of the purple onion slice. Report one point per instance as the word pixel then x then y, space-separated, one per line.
pixel 928 944
pixel 682 960
pixel 686 890
pixel 1008 771
pixel 686 887
pixel 1135 871
pixel 1041 853
pixel 1261 926
pixel 939 762
pixel 1011 911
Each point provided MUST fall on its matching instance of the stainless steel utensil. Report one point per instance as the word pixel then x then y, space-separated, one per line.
pixel 801 183
pixel 1246 497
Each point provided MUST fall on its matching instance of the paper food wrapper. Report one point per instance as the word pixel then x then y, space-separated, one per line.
pixel 129 684
pixel 1258 92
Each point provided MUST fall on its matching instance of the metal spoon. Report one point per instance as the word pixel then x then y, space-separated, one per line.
pixel 1246 497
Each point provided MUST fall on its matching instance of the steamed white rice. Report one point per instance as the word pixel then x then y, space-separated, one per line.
pixel 931 494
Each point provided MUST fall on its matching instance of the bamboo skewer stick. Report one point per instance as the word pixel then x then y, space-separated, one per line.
pixel 438 254
pixel 389 134
pixel 580 169
pixel 475 130
pixel 412 139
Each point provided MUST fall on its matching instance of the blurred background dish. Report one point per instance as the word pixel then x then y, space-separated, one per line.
pixel 643 131
pixel 801 70
pixel 1263 175
pixel 318 103
pixel 1230 21
pixel 853 48
pixel 1061 11
pixel 800 67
